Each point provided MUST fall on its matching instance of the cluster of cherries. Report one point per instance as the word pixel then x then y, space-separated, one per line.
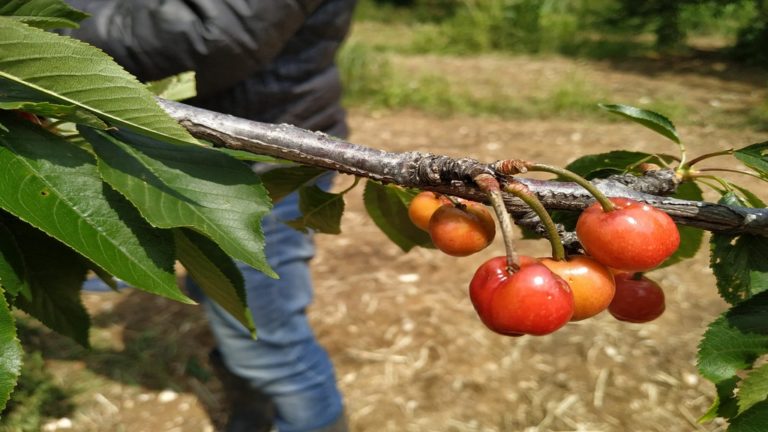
pixel 539 295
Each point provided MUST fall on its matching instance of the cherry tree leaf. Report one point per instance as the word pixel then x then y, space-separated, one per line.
pixel 13 271
pixel 388 207
pixel 55 274
pixel 755 156
pixel 198 188
pixel 752 420
pixel 753 388
pixel 725 403
pixel 735 340
pixel 215 273
pixel 321 211
pixel 10 352
pixel 44 14
pixel 602 165
pixel 74 73
pixel 739 262
pixel 690 238
pixel 652 120
pixel 54 185
pixel 177 87
pixel 281 182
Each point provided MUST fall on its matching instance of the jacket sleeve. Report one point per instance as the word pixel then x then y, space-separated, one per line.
pixel 224 41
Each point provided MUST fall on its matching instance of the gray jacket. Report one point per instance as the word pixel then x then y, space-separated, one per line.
pixel 265 60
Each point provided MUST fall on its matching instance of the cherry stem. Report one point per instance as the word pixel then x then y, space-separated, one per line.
pixel 521 191
pixel 707 156
pixel 455 201
pixel 751 174
pixel 488 184
pixel 637 276
pixel 581 181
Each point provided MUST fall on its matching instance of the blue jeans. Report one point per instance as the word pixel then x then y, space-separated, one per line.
pixel 285 361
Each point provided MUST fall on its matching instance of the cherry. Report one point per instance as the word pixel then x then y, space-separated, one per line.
pixel 423 206
pixel 633 237
pixel 637 300
pixel 462 230
pixel 591 282
pixel 532 300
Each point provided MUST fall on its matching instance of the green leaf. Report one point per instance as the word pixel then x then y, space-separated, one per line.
pixel 690 238
pixel 652 120
pixel 753 388
pixel 735 340
pixel 753 420
pixel 177 87
pixel 10 352
pixel 13 271
pixel 54 185
pixel 755 156
pixel 56 274
pixel 38 66
pixel 252 157
pixel 602 165
pixel 747 198
pixel 281 182
pixel 197 187
pixel 44 14
pixel 321 211
pixel 388 207
pixel 215 273
pixel 69 113
pixel 725 403
pixel 739 262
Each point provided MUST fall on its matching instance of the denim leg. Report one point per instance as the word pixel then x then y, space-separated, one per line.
pixel 285 361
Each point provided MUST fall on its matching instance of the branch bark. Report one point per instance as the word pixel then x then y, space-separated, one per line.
pixel 445 174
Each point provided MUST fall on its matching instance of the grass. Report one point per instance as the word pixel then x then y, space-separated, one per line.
pixel 372 81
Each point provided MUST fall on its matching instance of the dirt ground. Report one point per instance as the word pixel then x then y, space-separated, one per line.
pixel 410 353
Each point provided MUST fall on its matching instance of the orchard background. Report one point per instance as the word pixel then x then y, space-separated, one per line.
pixel 410 352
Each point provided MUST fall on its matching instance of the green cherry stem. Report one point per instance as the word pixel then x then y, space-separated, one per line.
pixel 581 181
pixel 521 191
pixel 488 184
pixel 698 159
pixel 735 171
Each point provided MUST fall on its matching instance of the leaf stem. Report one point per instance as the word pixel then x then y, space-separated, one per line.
pixel 698 159
pixel 521 191
pixel 730 171
pixel 488 184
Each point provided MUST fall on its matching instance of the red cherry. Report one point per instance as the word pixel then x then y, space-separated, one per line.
pixel 637 299
pixel 533 300
pixel 634 237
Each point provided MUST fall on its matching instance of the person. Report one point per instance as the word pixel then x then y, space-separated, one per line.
pixel 270 61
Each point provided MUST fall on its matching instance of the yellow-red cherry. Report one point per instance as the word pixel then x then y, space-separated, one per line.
pixel 462 230
pixel 633 237
pixel 591 282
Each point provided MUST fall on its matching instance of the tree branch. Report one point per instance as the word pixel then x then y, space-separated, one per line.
pixel 448 175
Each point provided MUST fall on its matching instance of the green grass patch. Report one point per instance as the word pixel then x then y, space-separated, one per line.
pixel 371 81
